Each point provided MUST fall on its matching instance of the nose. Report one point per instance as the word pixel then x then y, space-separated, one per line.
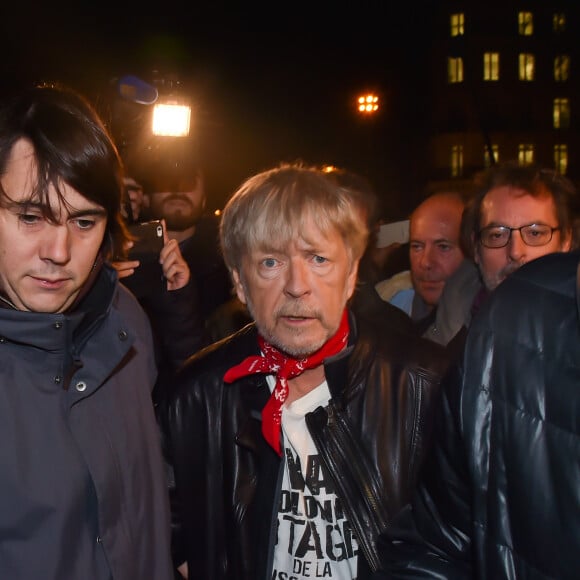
pixel 426 259
pixel 516 246
pixel 297 283
pixel 55 246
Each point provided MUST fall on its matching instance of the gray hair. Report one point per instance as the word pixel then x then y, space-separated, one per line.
pixel 269 210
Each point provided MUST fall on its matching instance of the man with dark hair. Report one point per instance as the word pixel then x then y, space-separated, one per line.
pixel 175 192
pixel 81 472
pixel 293 441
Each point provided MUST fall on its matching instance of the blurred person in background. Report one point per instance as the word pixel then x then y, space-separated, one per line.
pixel 435 253
pixel 161 281
pixel 133 204
pixel 175 192
pixel 517 213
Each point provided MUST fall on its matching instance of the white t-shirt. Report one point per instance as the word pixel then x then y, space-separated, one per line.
pixel 314 539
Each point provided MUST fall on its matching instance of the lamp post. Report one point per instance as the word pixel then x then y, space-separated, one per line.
pixel 367 104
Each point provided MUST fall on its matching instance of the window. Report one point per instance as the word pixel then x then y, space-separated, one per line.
pixel 455 69
pixel 561 68
pixel 525 23
pixel 456 160
pixel 491 66
pixel 559 22
pixel 525 153
pixel 561 113
pixel 490 157
pixel 561 158
pixel 457 24
pixel 527 67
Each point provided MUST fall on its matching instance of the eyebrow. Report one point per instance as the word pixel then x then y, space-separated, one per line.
pixel 503 225
pixel 435 241
pixel 97 211
pixel 91 211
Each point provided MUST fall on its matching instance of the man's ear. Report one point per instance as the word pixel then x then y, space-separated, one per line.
pixel 146 201
pixel 475 247
pixel 238 286
pixel 566 244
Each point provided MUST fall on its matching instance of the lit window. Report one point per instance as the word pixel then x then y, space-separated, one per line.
pixel 491 66
pixel 526 67
pixel 525 153
pixel 490 157
pixel 559 22
pixel 562 67
pixel 561 158
pixel 525 23
pixel 561 113
pixel 457 24
pixel 456 160
pixel 455 70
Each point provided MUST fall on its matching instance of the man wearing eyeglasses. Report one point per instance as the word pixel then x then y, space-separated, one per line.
pixel 518 213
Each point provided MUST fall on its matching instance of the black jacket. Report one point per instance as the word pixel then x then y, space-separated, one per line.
pixel 500 494
pixel 226 475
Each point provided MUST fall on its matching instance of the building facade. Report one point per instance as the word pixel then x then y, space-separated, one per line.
pixel 505 84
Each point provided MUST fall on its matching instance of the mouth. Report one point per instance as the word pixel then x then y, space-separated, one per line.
pixel 177 201
pixel 295 319
pixel 50 284
pixel 431 283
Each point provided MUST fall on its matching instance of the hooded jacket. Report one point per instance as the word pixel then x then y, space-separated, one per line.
pixel 82 484
pixel 226 486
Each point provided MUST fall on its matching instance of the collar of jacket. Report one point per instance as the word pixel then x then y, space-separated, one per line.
pixel 255 392
pixel 28 327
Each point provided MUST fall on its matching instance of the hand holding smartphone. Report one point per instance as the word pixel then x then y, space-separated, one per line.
pixel 148 241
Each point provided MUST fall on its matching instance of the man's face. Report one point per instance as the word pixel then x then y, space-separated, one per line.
pixel 181 209
pixel 297 294
pixel 434 249
pixel 513 207
pixel 43 266
pixel 135 194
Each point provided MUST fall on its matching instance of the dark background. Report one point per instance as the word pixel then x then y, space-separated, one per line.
pixel 269 82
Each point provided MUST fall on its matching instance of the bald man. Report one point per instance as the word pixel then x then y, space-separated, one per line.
pixel 434 252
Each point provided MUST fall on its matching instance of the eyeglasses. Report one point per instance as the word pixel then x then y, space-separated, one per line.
pixel 532 235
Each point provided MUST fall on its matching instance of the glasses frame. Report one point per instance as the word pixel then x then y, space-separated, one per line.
pixel 511 230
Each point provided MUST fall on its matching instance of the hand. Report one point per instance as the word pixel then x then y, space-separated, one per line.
pixel 182 569
pixel 175 268
pixel 127 267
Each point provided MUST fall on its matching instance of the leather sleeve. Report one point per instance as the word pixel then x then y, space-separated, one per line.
pixel 430 538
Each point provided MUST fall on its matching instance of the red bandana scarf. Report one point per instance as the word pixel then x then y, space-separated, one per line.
pixel 285 368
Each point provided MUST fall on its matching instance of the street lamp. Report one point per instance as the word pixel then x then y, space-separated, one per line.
pixel 368 104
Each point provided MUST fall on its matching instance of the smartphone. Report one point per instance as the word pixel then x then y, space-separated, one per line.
pixel 147 239
pixel 147 245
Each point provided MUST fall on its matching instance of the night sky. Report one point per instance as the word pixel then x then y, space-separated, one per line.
pixel 268 85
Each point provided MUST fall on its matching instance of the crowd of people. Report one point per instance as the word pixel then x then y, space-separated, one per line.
pixel 289 401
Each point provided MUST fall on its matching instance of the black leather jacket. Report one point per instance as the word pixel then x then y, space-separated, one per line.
pixel 500 494
pixel 226 475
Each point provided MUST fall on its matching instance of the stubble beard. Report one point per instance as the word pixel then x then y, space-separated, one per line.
pixel 292 350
